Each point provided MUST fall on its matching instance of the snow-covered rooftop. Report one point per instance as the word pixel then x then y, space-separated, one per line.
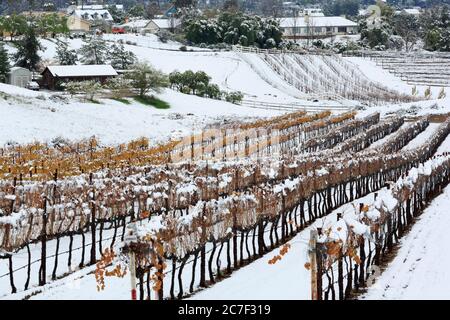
pixel 99 6
pixel 413 11
pixel 140 23
pixel 316 22
pixel 82 71
pixel 166 23
pixel 102 14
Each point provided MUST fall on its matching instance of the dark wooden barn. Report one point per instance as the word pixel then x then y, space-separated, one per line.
pixel 54 76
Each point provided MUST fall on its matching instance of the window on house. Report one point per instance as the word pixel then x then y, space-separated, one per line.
pixel 342 29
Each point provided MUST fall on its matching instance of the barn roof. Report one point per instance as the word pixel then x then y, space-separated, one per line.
pixel 82 71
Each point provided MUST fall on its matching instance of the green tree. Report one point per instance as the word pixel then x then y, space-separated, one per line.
pixel 65 55
pixel 234 97
pixel 94 51
pixel 211 91
pixel 233 28
pixel 145 78
pixel 342 7
pixel 407 27
pixel 199 81
pixel 120 58
pixel 117 15
pixel 184 3
pixel 432 39
pixel 15 25
pixel 4 63
pixel 50 23
pixel 27 50
pixel 137 11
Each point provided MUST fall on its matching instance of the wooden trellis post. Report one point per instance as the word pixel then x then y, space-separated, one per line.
pixel 313 262
pixel 132 237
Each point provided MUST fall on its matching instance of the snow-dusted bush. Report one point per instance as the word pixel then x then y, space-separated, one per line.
pixel 119 86
pixel 395 43
pixel 234 97
pixel 59 142
pixel 88 88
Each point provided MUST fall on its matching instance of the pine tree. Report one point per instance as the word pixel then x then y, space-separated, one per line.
pixel 120 58
pixel 27 50
pixel 65 55
pixel 94 51
pixel 4 63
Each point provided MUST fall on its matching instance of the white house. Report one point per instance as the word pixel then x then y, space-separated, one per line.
pixel 156 25
pixel 135 26
pixel 94 15
pixel 19 77
pixel 319 27
pixel 78 25
pixel 71 8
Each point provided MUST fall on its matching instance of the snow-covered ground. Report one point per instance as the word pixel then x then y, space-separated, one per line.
pixel 422 137
pixel 27 116
pixel 378 74
pixel 420 268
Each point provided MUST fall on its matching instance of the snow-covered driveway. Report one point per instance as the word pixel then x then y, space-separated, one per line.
pixel 420 269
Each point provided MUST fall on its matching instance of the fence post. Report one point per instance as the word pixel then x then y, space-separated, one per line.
pixel 132 258
pixel 131 237
pixel 43 267
pixel 93 258
pixel 313 261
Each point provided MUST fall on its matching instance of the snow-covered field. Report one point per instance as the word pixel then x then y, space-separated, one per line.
pixel 27 116
pixel 378 74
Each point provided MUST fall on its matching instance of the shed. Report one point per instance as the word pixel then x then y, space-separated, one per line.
pixel 52 76
pixel 19 77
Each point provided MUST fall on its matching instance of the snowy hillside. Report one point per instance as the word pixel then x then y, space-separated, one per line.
pixel 250 73
pixel 38 116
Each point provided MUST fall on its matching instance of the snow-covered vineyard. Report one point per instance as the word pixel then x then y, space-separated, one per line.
pixel 188 224
pixel 317 186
